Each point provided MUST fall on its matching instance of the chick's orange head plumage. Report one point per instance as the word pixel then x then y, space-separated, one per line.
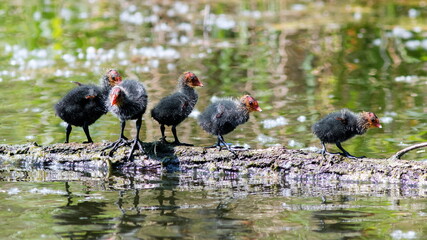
pixel 250 103
pixel 192 80
pixel 372 119
pixel 114 77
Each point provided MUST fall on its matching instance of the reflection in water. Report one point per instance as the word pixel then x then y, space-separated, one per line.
pixel 341 221
pixel 69 194
pixel 208 206
pixel 171 220
pixel 128 223
pixel 81 216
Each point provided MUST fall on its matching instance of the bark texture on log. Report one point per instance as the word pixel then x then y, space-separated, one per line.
pixel 263 163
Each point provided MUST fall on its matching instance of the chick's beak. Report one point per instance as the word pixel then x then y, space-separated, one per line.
pixel 198 83
pixel 258 109
pixel 113 99
pixel 378 125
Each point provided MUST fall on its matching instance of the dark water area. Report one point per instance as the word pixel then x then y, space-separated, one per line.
pixel 300 59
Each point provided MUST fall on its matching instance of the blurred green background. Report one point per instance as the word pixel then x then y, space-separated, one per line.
pixel 300 59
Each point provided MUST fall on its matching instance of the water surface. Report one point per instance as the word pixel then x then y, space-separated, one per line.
pixel 60 204
pixel 301 61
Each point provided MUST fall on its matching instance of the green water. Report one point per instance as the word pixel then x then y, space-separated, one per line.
pixel 204 206
pixel 300 59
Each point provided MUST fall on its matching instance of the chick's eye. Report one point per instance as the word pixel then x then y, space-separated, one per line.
pixel 251 103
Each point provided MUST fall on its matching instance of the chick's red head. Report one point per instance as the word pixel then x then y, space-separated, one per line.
pixel 192 80
pixel 372 119
pixel 250 103
pixel 114 77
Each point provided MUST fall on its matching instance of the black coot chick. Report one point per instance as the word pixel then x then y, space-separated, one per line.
pixel 173 109
pixel 340 126
pixel 128 101
pixel 224 115
pixel 85 104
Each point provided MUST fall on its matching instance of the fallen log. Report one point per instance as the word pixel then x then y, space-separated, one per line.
pixel 264 163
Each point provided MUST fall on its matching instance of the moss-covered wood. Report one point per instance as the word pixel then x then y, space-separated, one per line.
pixel 270 162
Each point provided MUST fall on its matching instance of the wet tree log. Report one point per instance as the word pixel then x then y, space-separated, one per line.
pixel 275 162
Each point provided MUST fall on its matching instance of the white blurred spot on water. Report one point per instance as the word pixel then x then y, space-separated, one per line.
pixel 171 66
pixel 413 13
pixel 424 44
pixel 184 40
pixel 401 33
pixel 185 27
pixel 224 44
pixel 301 118
pixel 417 29
pixel 90 53
pixel 272 123
pixel 120 55
pixel 402 144
pixel 195 114
pixel 69 58
pixel 377 42
pixel 66 14
pixel 162 27
pixel 298 7
pixel 83 15
pixel 224 22
pixel 393 114
pixel 46 191
pixel 409 79
pixel 130 15
pixel 30 137
pixel 399 234
pixel 252 14
pixel 265 139
pixel 132 8
pixel 63 73
pixel 24 78
pixel 386 119
pixel 357 15
pixel 294 143
pixel 413 44
pixel 311 149
pixel 13 191
pixel 181 8
pixel 37 16
pixel 154 63
pixel 145 69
